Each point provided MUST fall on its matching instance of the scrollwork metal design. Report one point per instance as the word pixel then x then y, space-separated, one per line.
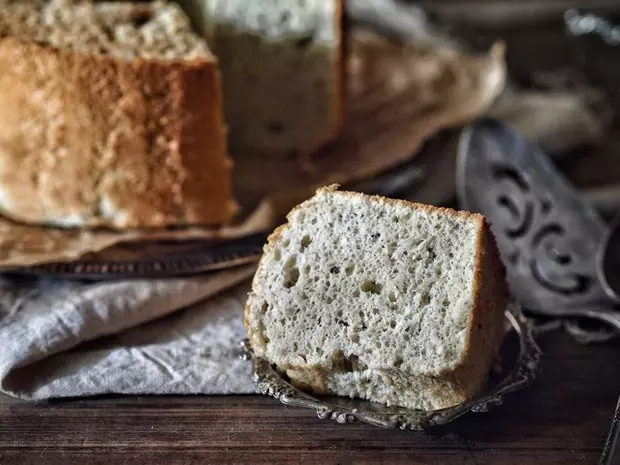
pixel 547 234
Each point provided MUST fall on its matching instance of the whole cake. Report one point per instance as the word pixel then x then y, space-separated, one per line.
pixel 115 114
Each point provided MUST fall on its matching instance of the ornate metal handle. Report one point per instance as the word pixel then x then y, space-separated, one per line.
pixel 548 235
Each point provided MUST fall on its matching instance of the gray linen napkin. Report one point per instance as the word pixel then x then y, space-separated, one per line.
pixel 65 339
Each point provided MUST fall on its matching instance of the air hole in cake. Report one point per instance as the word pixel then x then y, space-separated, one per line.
pixel 264 308
pixel 392 297
pixel 291 276
pixel 140 18
pixel 356 293
pixel 431 253
pixel 334 270
pixel 329 300
pixel 426 299
pixel 305 242
pixel 277 255
pixel 398 362
pixel 392 247
pixel 346 364
pixel 108 32
pixel 355 338
pixel 445 302
pixel 349 270
pixel 392 324
pixel 371 287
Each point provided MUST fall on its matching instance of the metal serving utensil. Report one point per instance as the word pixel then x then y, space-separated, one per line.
pixel 561 259
pixel 549 237
pixel 609 260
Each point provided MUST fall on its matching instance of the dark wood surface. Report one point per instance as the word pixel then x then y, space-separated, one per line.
pixel 561 419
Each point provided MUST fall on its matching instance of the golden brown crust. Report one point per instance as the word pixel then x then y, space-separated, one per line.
pixel 100 141
pixel 485 331
pixel 390 201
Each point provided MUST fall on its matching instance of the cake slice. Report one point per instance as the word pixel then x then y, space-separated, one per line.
pixel 283 71
pixel 380 299
pixel 110 115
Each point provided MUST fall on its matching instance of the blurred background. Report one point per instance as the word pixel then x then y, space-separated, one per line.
pixel 563 76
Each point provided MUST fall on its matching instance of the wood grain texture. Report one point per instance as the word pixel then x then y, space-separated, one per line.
pixel 562 419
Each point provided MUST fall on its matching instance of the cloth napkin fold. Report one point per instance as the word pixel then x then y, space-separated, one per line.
pixel 66 339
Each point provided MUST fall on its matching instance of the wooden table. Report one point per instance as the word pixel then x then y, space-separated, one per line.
pixel 562 419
